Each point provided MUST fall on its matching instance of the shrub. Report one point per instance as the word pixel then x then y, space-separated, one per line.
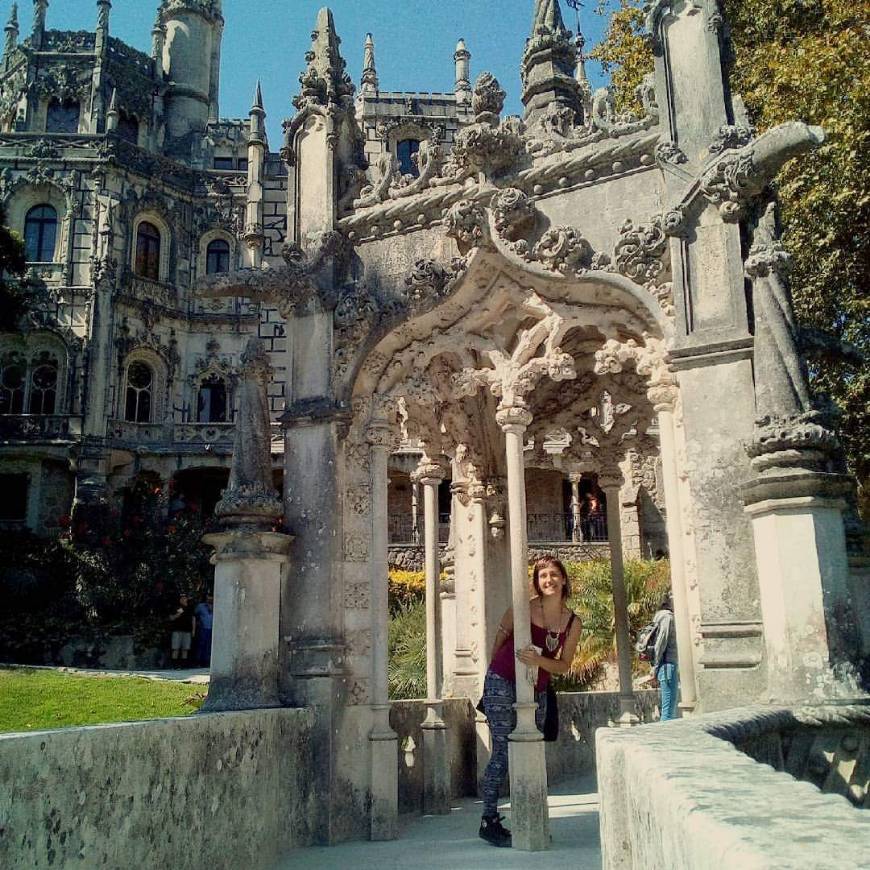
pixel 407 651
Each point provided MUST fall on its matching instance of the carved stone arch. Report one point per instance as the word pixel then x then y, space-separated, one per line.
pixel 157 363
pixel 36 347
pixel 23 194
pixel 158 219
pixel 212 235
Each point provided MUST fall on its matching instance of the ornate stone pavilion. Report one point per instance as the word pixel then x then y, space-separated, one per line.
pixel 576 292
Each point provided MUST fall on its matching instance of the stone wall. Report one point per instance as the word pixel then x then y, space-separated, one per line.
pixel 573 754
pixel 223 790
pixel 682 795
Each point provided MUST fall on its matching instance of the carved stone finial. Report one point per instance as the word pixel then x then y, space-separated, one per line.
pixel 462 59
pixel 11 31
pixel 548 67
pixel 488 99
pixel 369 81
pixel 250 498
pixel 324 81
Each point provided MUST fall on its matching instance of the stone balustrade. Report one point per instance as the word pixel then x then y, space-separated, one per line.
pixel 35 428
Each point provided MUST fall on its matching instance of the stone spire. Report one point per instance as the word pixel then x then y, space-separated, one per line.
pixel 104 7
pixel 11 31
pixel 257 114
pixel 549 66
pixel 40 7
pixel 462 59
pixel 370 82
pixel 158 38
pixel 325 81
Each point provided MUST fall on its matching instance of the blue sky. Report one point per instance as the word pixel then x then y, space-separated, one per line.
pixel 414 41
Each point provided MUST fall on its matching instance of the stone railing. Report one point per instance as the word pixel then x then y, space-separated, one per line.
pixel 39 427
pixel 203 436
pixel 69 41
pixel 204 433
pixel 685 794
pixel 138 434
pixel 51 273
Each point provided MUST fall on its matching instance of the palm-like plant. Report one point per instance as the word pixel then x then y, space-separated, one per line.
pixel 592 599
pixel 407 650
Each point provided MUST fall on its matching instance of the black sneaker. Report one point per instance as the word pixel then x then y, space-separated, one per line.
pixel 492 830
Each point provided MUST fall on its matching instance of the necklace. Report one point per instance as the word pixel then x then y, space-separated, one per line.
pixel 552 638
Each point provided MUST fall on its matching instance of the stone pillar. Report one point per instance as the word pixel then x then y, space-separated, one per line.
pixel 249 571
pixel 528 769
pixel 462 88
pixel 383 740
pixel 577 530
pixel 250 560
pixel 611 483
pixel 254 235
pixel 688 687
pixel 415 510
pixel 436 770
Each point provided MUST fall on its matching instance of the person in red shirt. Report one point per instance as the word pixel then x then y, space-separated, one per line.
pixel 555 633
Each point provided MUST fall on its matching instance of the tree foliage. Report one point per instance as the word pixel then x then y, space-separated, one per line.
pixel 13 297
pixel 804 60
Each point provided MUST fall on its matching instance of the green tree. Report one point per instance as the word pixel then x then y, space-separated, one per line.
pixel 13 295
pixel 806 60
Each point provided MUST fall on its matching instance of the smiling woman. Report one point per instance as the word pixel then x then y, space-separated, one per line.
pixel 35 700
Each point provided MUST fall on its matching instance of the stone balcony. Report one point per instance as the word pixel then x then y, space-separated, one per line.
pixel 180 437
pixel 40 428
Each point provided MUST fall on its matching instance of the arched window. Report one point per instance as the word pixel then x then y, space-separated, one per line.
pixel 405 150
pixel 212 401
pixel 148 251
pixel 13 373
pixel 43 384
pixel 128 128
pixel 140 386
pixel 217 257
pixel 62 117
pixel 40 234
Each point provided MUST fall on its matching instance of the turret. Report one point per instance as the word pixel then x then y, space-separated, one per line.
pixel 104 7
pixel 11 33
pixel 40 7
pixel 257 147
pixel 191 54
pixel 112 116
pixel 549 66
pixel 370 74
pixel 462 59
pixel 158 40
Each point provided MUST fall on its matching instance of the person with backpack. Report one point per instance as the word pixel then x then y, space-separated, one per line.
pixel 664 658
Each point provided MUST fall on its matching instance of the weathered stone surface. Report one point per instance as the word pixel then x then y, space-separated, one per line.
pixel 660 805
pixel 220 790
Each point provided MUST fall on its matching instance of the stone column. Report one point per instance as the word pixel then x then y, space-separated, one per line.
pixel 528 769
pixel 611 482
pixel 383 740
pixel 415 510
pixel 436 770
pixel 663 402
pixel 577 530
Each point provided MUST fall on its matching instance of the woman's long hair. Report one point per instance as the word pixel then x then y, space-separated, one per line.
pixel 550 562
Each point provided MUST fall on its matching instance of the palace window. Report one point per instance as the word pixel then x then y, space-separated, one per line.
pixel 43 385
pixel 140 387
pixel 148 251
pixel 223 163
pixel 62 117
pixel 243 164
pixel 405 150
pixel 217 257
pixel 13 505
pixel 13 382
pixel 212 401
pixel 40 234
pixel 128 129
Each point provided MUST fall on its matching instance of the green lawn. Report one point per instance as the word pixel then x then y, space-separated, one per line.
pixel 32 700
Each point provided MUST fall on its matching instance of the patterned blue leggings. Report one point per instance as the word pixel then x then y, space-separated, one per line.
pixel 499 696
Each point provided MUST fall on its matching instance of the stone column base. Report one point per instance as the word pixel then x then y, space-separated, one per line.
pixel 436 766
pixel 385 777
pixel 530 819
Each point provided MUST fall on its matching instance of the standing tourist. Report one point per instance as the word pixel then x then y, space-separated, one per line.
pixel 181 623
pixel 204 615
pixel 555 632
pixel 665 659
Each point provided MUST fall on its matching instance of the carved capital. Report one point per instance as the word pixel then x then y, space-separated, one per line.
pixel 766 259
pixel 514 418
pixel 428 472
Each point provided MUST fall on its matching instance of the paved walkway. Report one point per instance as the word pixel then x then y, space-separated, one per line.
pixel 446 842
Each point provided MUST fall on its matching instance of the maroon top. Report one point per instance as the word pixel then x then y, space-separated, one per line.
pixel 504 661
